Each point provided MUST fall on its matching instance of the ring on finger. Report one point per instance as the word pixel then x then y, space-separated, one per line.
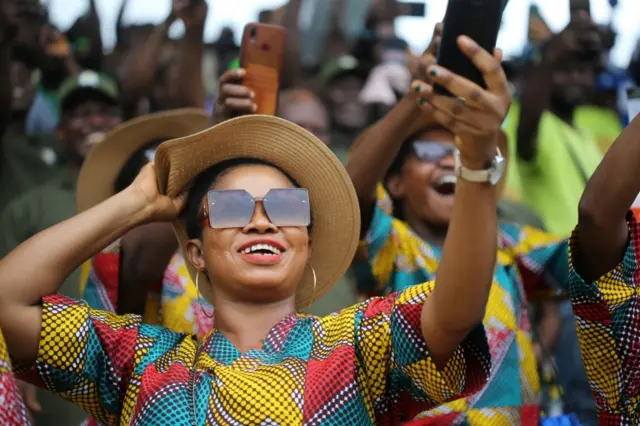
pixel 461 99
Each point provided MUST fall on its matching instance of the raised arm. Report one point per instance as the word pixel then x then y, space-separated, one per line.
pixel 457 304
pixel 139 67
pixel 191 85
pixel 374 150
pixel 50 256
pixel 603 233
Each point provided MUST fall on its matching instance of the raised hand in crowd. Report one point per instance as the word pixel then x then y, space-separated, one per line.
pixel 474 115
pixel 233 98
pixel 191 13
pixel 580 37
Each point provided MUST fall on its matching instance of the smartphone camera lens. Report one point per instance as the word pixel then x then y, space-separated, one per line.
pixel 252 32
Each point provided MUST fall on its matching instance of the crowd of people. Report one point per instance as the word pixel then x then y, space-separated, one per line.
pixel 376 253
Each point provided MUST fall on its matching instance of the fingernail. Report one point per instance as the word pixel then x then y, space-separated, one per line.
pixel 252 95
pixel 433 71
pixel 464 40
pixel 422 101
pixel 417 88
pixel 254 108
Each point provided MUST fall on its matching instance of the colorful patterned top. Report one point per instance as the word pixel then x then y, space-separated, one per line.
pixel 180 308
pixel 12 410
pixel 608 321
pixel 368 364
pixel 528 260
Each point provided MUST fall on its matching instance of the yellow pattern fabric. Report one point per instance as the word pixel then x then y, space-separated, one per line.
pixel 365 365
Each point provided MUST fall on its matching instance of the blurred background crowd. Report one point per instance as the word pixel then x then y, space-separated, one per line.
pixel 347 63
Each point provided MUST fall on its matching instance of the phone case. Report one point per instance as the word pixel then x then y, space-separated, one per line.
pixel 478 19
pixel 262 54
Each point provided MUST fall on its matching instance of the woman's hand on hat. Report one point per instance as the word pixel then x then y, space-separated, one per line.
pixel 156 207
pixel 233 99
pixel 473 114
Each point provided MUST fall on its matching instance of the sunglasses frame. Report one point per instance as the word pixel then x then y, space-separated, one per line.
pixel 207 220
pixel 448 151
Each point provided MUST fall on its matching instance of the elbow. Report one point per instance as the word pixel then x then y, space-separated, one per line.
pixel 589 215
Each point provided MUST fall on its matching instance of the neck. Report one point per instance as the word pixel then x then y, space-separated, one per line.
pixel 564 112
pixel 429 232
pixel 246 325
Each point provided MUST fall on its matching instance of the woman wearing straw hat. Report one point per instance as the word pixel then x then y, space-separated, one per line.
pixel 143 272
pixel 270 222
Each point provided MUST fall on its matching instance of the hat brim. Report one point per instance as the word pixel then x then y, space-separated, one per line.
pixel 334 205
pixel 97 178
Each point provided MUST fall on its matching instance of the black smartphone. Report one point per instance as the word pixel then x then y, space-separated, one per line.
pixel 478 19
pixel 414 8
pixel 578 5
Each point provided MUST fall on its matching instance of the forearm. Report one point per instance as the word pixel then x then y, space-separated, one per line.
pixel 140 65
pixel 602 228
pixel 373 152
pixel 37 267
pixel 145 253
pixel 292 71
pixel 465 272
pixel 190 68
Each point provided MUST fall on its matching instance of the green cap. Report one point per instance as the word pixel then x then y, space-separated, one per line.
pixel 342 65
pixel 87 81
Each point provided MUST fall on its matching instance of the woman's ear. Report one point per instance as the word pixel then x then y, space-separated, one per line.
pixel 396 188
pixel 194 254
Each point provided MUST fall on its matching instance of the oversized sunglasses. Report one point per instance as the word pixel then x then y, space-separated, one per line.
pixel 433 151
pixel 235 208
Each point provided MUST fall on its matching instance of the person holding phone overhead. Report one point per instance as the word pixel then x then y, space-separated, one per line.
pixel 265 230
pixel 412 151
pixel 553 156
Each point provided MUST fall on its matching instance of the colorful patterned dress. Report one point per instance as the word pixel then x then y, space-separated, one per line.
pixel 12 410
pixel 608 320
pixel 366 365
pixel 528 261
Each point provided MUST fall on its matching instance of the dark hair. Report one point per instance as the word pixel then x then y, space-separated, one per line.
pixel 204 181
pixel 132 167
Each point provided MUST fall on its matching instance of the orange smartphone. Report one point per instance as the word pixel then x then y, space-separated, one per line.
pixel 262 55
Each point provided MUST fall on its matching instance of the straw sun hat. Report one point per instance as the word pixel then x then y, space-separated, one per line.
pixel 334 206
pixel 100 169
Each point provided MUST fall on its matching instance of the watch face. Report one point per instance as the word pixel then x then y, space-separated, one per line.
pixel 497 169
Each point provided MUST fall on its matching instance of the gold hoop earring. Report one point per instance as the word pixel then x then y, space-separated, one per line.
pixel 200 297
pixel 315 283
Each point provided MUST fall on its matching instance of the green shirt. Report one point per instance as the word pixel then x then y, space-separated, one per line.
pixel 552 183
pixel 603 123
pixel 26 162
pixel 36 210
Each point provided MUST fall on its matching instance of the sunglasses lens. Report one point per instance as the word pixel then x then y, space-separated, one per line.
pixel 432 151
pixel 230 209
pixel 288 207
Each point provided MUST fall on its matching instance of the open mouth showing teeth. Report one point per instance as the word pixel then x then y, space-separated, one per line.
pixel 262 249
pixel 446 185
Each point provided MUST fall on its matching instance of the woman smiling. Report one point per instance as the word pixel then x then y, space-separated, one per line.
pixel 268 221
